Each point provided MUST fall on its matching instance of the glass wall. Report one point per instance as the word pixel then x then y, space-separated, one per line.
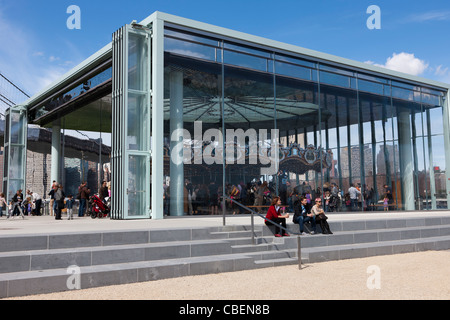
pixel 251 123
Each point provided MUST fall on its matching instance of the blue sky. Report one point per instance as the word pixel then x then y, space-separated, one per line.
pixel 37 47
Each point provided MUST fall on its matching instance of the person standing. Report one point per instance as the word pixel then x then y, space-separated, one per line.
pixel 353 193
pixel 213 198
pixel 17 204
pixel 3 203
pixel 69 206
pixel 59 200
pixel 103 191
pixel 388 194
pixel 52 199
pixel 37 201
pixel 84 196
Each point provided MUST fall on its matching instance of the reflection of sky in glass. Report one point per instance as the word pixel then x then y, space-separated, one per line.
pixel 190 49
pixel 438 151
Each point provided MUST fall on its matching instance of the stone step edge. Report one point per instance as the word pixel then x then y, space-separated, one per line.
pixel 231 256
pixel 171 268
pixel 361 246
pixel 260 241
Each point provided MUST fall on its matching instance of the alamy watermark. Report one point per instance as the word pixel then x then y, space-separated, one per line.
pixel 374 21
pixel 74 280
pixel 374 279
pixel 74 20
pixel 209 146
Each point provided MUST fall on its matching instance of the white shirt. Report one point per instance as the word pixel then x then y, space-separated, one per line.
pixel 35 196
pixel 353 192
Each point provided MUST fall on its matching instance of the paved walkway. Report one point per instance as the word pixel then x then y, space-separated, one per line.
pixel 47 224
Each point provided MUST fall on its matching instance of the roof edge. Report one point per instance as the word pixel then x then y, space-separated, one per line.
pixel 107 49
pixel 72 73
pixel 290 48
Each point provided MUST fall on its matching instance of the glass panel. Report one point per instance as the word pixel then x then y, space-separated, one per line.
pixel 406 189
pixel 335 79
pixel 193 102
pixel 439 168
pixel 186 48
pixel 16 162
pixel 246 49
pixel 297 106
pixel 369 86
pixel 430 99
pixel 17 125
pixel 189 37
pixel 249 114
pixel 5 161
pixel 405 94
pixel 291 70
pixel 138 76
pixel 137 189
pixel 295 61
pixel 15 185
pixel 137 137
pixel 436 117
pixel 245 60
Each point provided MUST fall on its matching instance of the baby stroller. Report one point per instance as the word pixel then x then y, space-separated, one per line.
pixel 98 208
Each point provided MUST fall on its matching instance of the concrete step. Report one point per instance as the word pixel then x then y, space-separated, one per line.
pixel 64 279
pixel 360 250
pixel 235 234
pixel 44 263
pixel 62 258
pixel 367 236
pixel 372 224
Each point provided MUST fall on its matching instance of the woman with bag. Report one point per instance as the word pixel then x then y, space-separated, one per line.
pixel 321 218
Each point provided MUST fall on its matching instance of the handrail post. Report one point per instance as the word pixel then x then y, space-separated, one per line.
pixel 253 228
pixel 252 212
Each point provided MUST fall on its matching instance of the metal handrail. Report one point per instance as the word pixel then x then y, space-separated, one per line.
pixel 274 223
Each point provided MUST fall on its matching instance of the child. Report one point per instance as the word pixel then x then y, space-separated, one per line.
pixel 386 203
pixel 69 207
pixel 27 205
pixel 10 209
pixel 327 201
pixel 3 203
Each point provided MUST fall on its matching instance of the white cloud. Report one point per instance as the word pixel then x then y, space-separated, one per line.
pixel 441 71
pixel 53 58
pixel 404 62
pixel 442 74
pixel 430 16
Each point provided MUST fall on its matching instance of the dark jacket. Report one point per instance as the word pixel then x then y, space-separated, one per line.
pixel 84 193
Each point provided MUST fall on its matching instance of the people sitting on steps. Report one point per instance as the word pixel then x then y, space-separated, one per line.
pixel 274 214
pixel 320 217
pixel 303 215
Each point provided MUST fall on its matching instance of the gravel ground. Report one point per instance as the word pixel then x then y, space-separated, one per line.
pixel 419 275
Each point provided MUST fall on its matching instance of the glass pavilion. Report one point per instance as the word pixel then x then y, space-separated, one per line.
pixel 327 119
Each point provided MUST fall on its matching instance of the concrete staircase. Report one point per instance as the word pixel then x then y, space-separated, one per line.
pixel 34 264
